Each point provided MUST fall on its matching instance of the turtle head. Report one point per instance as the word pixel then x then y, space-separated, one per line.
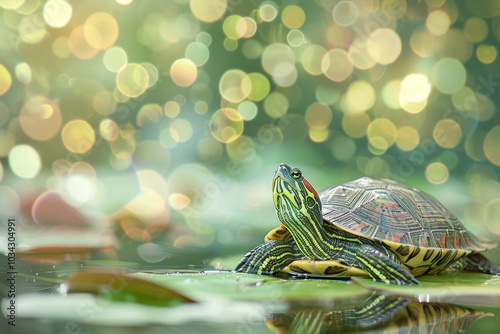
pixel 298 207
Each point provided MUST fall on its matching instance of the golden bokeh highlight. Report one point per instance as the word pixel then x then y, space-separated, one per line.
pixel 101 30
pixel 278 60
pixel 79 46
pixel 149 113
pixel 260 86
pixel 384 46
pixel 491 145
pixel 437 173
pixel 318 116
pixel 318 135
pixel 336 65
pixel 132 80
pixel 108 129
pixel 226 125
pixel 447 133
pixel 438 22
pixel 276 105
pixel 355 126
pixel 172 109
pixel 78 136
pixel 234 27
pixel 360 96
pixel 293 17
pixel 311 59
pixel 57 13
pixel 235 86
pixel 415 89
pixel 183 72
pixel 24 161
pixel 486 53
pixel 208 10
pixel 423 43
pixel 178 201
pixel 381 133
pixel 5 79
pixel 60 47
pixel 359 55
pixel 11 4
pixel 407 138
pixel 476 29
pixel 40 118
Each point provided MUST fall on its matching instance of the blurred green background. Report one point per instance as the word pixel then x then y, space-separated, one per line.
pixel 149 131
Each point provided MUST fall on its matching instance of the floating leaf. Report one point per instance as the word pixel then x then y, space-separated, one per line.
pixel 455 287
pixel 120 286
pixel 237 286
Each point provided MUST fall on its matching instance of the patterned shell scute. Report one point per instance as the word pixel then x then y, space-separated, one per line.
pixel 387 210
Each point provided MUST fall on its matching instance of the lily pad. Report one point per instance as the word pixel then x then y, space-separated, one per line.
pixel 237 286
pixel 455 287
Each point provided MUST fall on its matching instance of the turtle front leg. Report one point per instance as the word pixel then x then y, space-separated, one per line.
pixel 478 263
pixel 383 268
pixel 267 258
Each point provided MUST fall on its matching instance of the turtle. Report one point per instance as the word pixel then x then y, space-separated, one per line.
pixel 382 228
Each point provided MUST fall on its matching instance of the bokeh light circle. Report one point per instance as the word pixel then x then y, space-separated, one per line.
pixel 438 22
pixel 208 10
pixel 226 125
pixel 448 75
pixel 447 133
pixel 361 96
pixel 293 17
pixel 276 105
pixel 24 161
pixel 114 59
pixel 384 46
pixel 436 173
pixel 5 80
pixel 345 13
pixel 491 145
pixel 101 30
pixel 336 65
pixel 183 72
pixel 318 116
pixel 40 118
pixel 407 138
pixel 132 80
pixel 78 136
pixel 57 13
pixel 235 85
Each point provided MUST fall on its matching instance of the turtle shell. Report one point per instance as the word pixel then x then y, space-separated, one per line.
pixel 425 235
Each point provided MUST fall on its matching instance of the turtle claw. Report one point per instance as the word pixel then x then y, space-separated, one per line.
pixel 267 258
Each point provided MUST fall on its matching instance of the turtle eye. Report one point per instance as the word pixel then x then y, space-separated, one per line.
pixel 296 174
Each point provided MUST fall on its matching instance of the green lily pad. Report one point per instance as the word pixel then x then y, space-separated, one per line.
pixel 455 287
pixel 237 286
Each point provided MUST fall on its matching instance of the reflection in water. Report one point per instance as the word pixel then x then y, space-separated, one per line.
pixel 378 314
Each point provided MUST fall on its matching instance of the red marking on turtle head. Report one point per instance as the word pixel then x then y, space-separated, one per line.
pixel 311 189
